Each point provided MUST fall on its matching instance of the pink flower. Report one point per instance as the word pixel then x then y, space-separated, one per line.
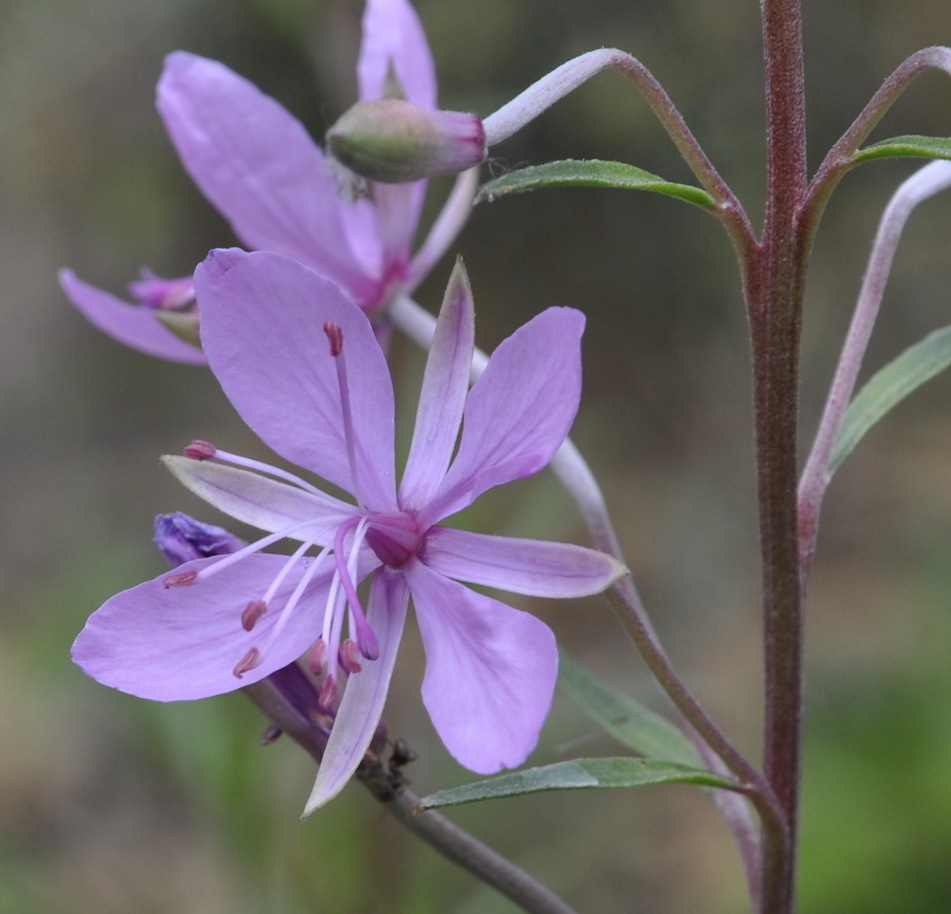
pixel 256 163
pixel 309 377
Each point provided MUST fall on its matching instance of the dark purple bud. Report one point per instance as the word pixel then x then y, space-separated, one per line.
pixel 182 538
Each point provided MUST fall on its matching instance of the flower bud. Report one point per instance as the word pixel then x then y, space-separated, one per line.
pixel 393 141
pixel 182 538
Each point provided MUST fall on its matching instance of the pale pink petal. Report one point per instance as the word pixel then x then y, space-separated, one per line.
pixel 490 671
pixel 255 162
pixel 397 218
pixel 262 330
pixel 393 38
pixel 365 694
pixel 261 501
pixel 519 411
pixel 174 643
pixel 443 394
pixel 135 325
pixel 535 567
pixel 394 41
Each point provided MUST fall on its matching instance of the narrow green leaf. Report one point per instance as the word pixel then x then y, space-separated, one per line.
pixel 589 173
pixel 928 147
pixel 888 388
pixel 579 774
pixel 627 720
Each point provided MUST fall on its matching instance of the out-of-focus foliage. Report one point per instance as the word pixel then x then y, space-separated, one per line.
pixel 108 804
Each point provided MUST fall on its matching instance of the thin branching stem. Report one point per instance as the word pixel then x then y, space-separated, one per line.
pixel 559 82
pixel 386 783
pixel 839 159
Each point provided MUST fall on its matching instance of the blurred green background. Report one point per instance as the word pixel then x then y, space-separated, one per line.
pixel 110 804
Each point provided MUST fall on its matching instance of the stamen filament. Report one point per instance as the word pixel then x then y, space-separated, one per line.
pixel 346 570
pixel 230 559
pixel 248 662
pixel 261 467
pixel 335 336
pixel 294 598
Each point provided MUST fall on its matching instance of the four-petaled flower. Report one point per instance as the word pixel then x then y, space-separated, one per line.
pixel 308 376
pixel 256 163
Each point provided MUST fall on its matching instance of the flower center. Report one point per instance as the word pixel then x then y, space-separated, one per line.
pixel 395 538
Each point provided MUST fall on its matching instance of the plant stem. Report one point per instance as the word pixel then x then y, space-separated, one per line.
pixel 555 85
pixel 774 281
pixel 385 782
pixel 924 183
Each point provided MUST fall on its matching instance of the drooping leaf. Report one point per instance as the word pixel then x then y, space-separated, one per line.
pixel 628 721
pixel 589 173
pixel 887 388
pixel 579 774
pixel 927 147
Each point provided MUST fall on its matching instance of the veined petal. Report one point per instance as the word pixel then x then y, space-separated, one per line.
pixel 519 411
pixel 262 330
pixel 255 162
pixel 397 218
pixel 134 325
pixel 535 567
pixel 175 643
pixel 490 671
pixel 394 38
pixel 365 693
pixel 443 394
pixel 265 503
pixel 394 42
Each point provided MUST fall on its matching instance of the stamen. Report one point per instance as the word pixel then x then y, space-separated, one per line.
pixel 250 660
pixel 348 656
pixel 226 561
pixel 366 638
pixel 333 625
pixel 180 579
pixel 335 336
pixel 329 693
pixel 265 468
pixel 252 612
pixel 294 598
pixel 317 657
pixel 200 450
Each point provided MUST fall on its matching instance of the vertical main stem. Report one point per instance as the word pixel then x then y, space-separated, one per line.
pixel 775 290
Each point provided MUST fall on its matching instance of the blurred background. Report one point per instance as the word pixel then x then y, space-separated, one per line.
pixel 111 804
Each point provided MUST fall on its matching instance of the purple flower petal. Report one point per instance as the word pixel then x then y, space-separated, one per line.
pixel 393 38
pixel 175 643
pixel 255 162
pixel 262 328
pixel 490 671
pixel 365 693
pixel 394 41
pixel 443 395
pixel 134 325
pixel 519 411
pixel 262 502
pixel 535 567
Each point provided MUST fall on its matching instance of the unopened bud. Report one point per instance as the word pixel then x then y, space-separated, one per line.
pixel 182 538
pixel 393 141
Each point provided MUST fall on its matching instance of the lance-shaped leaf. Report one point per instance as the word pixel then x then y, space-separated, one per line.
pixel 579 774
pixel 628 721
pixel 926 147
pixel 589 173
pixel 888 388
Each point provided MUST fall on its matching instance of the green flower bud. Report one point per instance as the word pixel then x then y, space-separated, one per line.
pixel 394 141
